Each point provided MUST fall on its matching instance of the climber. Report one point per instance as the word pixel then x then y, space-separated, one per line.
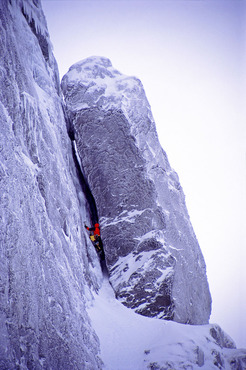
pixel 96 229
pixel 96 238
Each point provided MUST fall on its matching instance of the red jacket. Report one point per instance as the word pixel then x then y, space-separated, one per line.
pixel 95 229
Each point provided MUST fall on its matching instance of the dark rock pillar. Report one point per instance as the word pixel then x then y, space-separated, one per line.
pixel 155 263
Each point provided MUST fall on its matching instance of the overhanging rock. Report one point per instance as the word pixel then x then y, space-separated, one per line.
pixel 155 263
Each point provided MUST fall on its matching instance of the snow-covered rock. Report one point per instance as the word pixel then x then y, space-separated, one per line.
pixel 51 316
pixel 46 268
pixel 155 263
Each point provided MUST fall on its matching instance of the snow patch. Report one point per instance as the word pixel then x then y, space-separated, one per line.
pixel 125 216
pixel 112 89
pixel 128 265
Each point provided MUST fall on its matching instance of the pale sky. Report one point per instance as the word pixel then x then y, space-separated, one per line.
pixel 190 56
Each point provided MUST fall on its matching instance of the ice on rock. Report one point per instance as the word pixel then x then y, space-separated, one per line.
pixel 46 269
pixel 155 263
pixel 50 312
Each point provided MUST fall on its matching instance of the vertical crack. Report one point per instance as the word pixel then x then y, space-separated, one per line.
pixel 85 187
pixel 90 201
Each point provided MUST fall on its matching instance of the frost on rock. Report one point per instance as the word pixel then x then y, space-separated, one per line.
pixel 49 270
pixel 155 263
pixel 48 267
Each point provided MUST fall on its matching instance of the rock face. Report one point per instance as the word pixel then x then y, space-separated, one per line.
pixel 154 260
pixel 49 270
pixel 45 273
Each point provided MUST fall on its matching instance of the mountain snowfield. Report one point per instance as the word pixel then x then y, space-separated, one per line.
pixel 58 309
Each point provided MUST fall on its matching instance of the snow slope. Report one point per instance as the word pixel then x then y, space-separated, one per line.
pixel 134 342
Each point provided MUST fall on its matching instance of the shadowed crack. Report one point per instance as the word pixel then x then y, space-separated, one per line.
pixel 85 187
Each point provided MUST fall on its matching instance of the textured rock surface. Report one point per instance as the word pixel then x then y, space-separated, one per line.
pixel 153 257
pixel 48 267
pixel 45 274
